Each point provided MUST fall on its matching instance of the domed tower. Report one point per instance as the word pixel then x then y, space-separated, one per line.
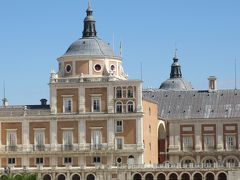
pixel 90 56
pixel 92 90
pixel 176 82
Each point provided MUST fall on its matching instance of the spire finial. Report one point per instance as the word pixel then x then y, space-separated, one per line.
pixel 89 23
pixel 175 53
pixel 89 5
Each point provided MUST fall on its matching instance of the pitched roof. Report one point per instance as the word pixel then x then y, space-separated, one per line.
pixel 195 104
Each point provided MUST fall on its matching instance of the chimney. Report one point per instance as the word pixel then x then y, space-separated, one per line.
pixel 212 83
pixel 43 102
pixel 5 102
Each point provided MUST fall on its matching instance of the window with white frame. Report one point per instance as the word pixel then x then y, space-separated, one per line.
pixel 11 161
pixel 119 107
pixel 67 139
pixel 187 141
pixel 12 138
pixel 130 92
pixel 119 126
pixel 230 141
pixel 118 92
pixel 67 105
pixel 119 143
pixel 96 104
pixel 96 138
pixel 130 106
pixel 209 141
pixel 39 160
pixel 96 159
pixel 67 160
pixel 39 139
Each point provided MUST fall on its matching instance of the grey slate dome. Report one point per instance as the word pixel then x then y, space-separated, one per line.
pixel 90 46
pixel 176 82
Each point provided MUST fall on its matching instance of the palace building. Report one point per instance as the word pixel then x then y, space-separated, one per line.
pixel 100 125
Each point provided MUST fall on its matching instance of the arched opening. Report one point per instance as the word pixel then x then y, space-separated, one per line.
pixel 18 176
pixel 161 144
pixel 75 177
pixel 131 160
pixel 90 177
pixel 46 177
pixel 222 176
pixel 232 162
pixel 161 177
pixel 197 176
pixel 4 177
pixel 149 177
pixel 137 177
pixel 173 177
pixel 61 177
pixel 209 176
pixel 185 176
pixel 209 162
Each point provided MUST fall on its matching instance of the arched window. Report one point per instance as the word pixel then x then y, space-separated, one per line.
pixel 185 176
pixel 209 162
pixel 222 176
pixel 173 177
pixel 130 106
pixel 119 107
pixel 47 177
pixel 130 92
pixel 149 177
pixel 61 177
pixel 209 176
pixel 131 160
pixel 75 177
pixel 90 177
pixel 118 92
pixel 197 176
pixel 137 177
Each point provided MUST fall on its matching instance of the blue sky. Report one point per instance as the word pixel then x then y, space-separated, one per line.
pixel 33 34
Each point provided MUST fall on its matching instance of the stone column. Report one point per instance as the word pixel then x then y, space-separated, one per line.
pixel 53 99
pixel 198 142
pixel 25 134
pixel 219 136
pixel 111 133
pixel 81 99
pixel 53 133
pixel 82 133
pixel 110 97
pixel 139 132
pixel 139 98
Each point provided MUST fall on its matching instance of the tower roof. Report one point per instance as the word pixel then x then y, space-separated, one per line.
pixel 90 44
pixel 176 82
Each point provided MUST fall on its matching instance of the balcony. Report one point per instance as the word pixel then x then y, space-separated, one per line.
pixel 98 146
pixel 209 148
pixel 68 147
pixel 39 147
pixel 231 148
pixel 11 148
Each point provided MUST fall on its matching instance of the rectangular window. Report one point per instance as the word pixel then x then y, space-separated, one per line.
pixel 39 160
pixel 67 160
pixel 11 140
pixel 119 143
pixel 119 126
pixel 209 141
pixel 11 161
pixel 118 92
pixel 67 105
pixel 230 141
pixel 187 142
pixel 96 104
pixel 130 92
pixel 39 137
pixel 67 140
pixel 96 159
pixel 96 140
